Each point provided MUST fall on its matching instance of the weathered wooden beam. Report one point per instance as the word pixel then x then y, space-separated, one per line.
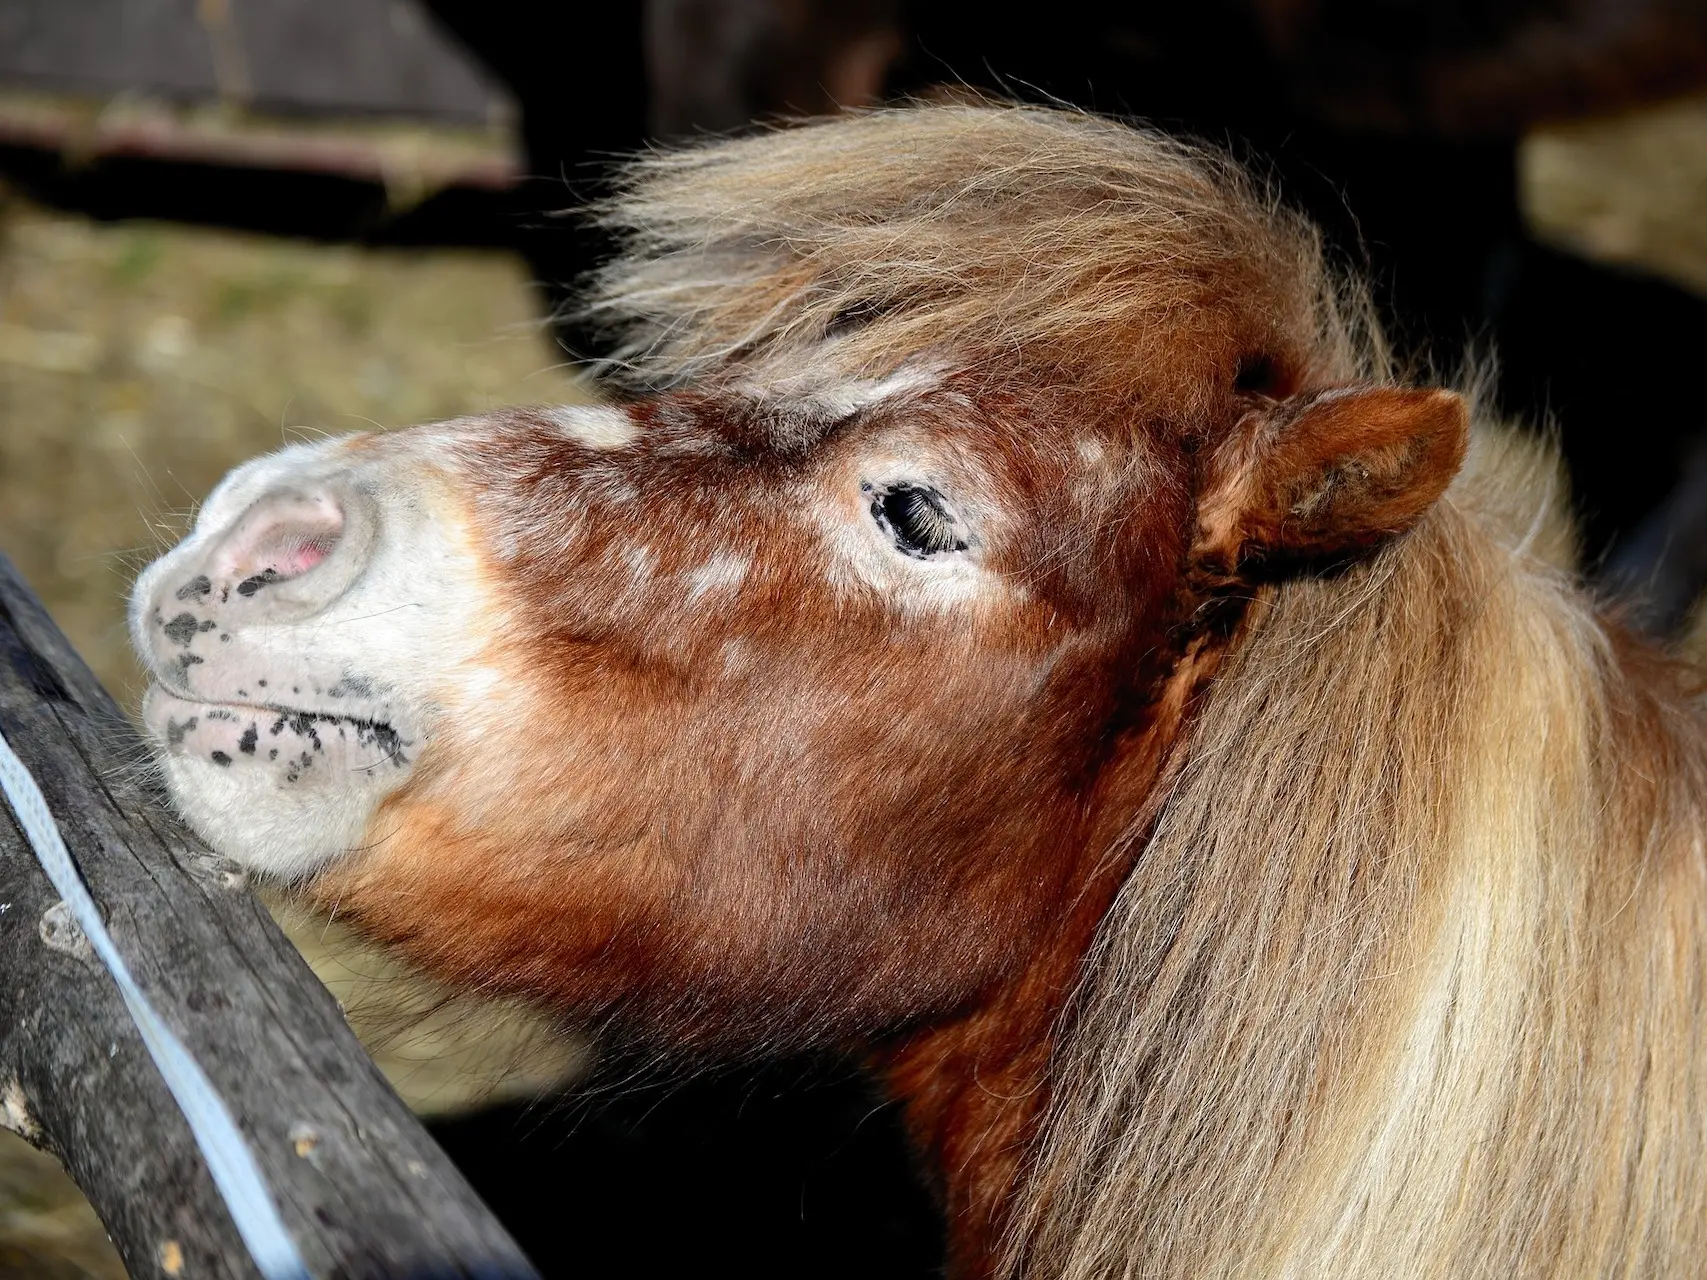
pixel 362 1189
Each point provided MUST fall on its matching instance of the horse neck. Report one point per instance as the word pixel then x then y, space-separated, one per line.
pixel 976 1087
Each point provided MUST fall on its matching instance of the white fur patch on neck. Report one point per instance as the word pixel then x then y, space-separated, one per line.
pixel 597 426
pixel 725 571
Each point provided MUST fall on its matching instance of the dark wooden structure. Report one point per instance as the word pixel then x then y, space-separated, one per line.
pixel 362 1188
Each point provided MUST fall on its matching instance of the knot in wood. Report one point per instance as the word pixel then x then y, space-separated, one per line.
pixel 304 1139
pixel 15 1112
pixel 60 932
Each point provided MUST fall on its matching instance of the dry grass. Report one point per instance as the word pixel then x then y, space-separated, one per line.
pixel 47 1230
pixel 1631 190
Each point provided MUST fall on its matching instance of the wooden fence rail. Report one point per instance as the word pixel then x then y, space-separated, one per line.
pixel 362 1189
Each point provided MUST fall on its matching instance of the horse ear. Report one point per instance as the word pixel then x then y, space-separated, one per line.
pixel 1324 476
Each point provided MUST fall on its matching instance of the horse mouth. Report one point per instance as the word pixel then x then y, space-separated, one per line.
pixel 293 740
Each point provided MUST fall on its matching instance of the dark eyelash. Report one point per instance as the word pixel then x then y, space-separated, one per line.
pixel 918 519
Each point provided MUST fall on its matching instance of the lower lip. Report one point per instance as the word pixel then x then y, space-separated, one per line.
pixel 161 707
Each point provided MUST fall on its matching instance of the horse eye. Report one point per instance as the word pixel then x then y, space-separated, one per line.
pixel 918 519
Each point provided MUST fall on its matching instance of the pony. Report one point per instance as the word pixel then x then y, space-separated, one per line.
pixel 1016 622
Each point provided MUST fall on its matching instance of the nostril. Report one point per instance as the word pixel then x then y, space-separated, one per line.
pixel 280 537
pixel 301 553
pixel 292 557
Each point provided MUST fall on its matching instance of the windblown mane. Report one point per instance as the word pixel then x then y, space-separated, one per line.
pixel 1045 243
pixel 1408 980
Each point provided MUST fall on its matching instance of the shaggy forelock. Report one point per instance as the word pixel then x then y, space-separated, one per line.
pixel 1020 238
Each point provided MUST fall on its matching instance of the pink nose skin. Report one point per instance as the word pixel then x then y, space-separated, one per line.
pixel 287 557
pixel 281 537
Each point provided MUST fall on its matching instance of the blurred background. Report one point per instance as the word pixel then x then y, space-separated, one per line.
pixel 227 224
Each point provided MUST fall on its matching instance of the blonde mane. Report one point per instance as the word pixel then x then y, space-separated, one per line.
pixel 1046 244
pixel 1408 981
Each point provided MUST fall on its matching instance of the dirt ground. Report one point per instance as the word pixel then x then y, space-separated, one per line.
pixel 138 362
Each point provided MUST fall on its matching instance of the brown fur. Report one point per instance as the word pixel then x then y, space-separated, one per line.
pixel 1381 885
